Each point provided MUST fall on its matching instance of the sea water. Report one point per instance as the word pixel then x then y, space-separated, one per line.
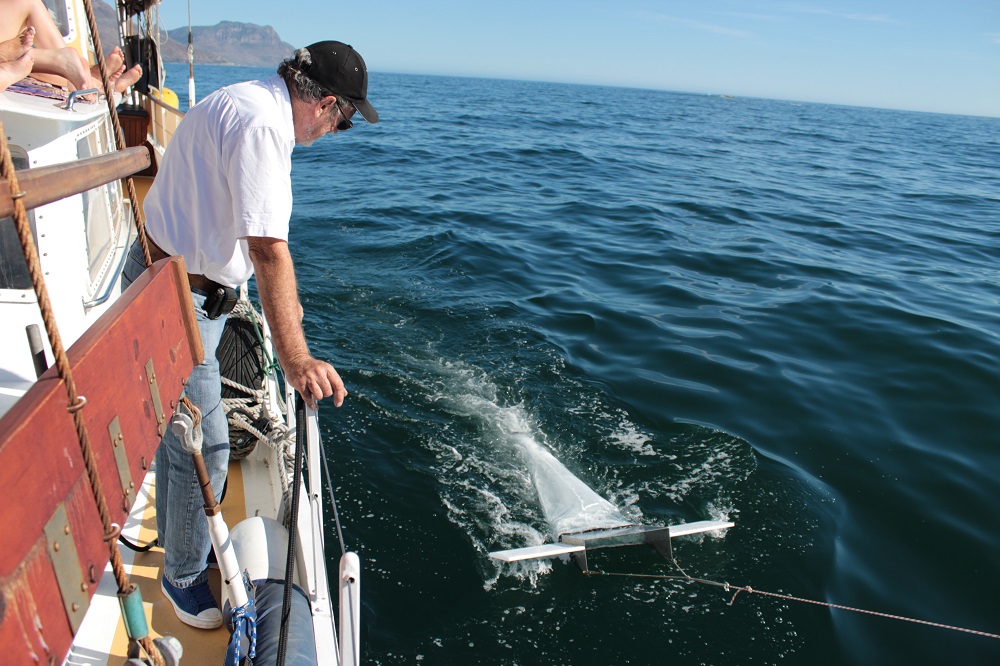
pixel 785 315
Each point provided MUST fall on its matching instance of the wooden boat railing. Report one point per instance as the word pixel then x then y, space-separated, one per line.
pixel 131 366
pixel 163 121
pixel 129 369
pixel 44 185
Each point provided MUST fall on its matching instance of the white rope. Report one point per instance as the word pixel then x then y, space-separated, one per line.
pixel 244 413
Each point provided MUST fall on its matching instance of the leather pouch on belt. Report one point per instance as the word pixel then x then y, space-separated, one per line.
pixel 221 301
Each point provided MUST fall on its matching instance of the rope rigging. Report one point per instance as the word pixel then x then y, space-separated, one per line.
pixel 109 95
pixel 75 401
pixel 146 642
pixel 286 604
pixel 248 413
pixel 245 361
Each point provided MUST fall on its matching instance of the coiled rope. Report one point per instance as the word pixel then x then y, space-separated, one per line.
pixel 247 410
pixel 737 589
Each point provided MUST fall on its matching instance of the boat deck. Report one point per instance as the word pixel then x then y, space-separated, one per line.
pixel 200 646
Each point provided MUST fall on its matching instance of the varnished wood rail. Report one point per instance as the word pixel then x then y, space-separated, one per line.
pixel 52 183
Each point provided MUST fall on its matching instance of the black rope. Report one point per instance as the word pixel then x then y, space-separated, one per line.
pixel 286 603
pixel 136 547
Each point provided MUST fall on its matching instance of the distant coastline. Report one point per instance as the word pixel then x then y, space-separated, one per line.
pixel 228 43
pixel 225 43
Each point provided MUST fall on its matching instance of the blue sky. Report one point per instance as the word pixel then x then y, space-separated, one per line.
pixel 924 55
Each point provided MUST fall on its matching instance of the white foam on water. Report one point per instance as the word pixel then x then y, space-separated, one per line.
pixel 504 486
pixel 568 503
pixel 504 472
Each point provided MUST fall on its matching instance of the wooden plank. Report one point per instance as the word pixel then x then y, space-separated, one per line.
pixel 52 183
pixel 41 465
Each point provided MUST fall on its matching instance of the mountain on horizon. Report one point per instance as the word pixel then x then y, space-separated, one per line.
pixel 226 43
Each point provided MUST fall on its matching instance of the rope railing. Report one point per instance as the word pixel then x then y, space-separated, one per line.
pixel 163 105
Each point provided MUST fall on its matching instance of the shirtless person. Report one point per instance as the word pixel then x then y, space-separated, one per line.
pixel 57 63
pixel 16 58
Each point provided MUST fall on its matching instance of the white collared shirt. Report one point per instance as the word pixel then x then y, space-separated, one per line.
pixel 226 175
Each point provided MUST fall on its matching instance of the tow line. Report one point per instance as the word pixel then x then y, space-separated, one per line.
pixel 737 589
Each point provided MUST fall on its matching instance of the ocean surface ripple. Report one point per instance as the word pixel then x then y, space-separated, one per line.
pixel 786 315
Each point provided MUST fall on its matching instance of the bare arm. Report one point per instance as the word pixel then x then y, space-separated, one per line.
pixel 279 297
pixel 34 13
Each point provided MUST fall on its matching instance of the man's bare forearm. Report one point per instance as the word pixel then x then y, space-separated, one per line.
pixel 279 297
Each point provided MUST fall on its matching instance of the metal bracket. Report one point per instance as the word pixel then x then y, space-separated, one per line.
pixel 580 558
pixel 154 392
pixel 660 540
pixel 121 460
pixel 75 95
pixel 657 537
pixel 69 576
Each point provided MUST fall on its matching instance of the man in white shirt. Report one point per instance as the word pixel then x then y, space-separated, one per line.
pixel 222 199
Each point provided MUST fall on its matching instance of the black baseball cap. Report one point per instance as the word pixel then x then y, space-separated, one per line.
pixel 341 70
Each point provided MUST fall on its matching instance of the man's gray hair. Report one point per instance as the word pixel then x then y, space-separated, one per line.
pixel 300 85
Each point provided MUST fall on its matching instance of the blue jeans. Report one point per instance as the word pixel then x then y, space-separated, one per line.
pixel 180 515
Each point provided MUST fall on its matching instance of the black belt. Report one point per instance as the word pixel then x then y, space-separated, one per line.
pixel 199 282
pixel 219 299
